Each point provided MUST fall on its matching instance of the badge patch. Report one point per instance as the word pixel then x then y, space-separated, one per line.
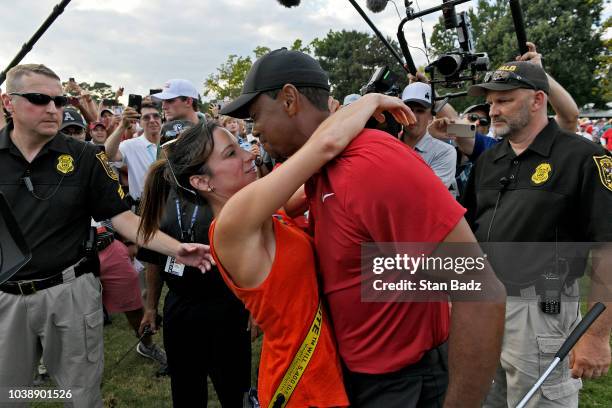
pixel 65 164
pixel 107 168
pixel 604 166
pixel 541 173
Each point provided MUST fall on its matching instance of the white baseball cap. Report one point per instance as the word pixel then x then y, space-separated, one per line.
pixel 175 88
pixel 348 99
pixel 418 92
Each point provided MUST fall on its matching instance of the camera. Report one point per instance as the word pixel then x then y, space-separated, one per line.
pixel 383 81
pixel 453 64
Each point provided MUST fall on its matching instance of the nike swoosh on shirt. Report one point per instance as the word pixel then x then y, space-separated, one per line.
pixel 326 196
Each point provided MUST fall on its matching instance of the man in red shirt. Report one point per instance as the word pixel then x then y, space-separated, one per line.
pixel 377 190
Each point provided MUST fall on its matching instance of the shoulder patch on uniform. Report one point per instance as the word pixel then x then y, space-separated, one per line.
pixel 107 168
pixel 65 164
pixel 541 173
pixel 604 166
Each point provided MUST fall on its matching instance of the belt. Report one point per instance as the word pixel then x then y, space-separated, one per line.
pixel 530 291
pixel 29 287
pixel 103 241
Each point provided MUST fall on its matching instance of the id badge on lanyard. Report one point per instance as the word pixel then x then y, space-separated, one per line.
pixel 172 266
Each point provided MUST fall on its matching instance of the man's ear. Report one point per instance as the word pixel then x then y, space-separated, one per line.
pixel 289 97
pixel 7 103
pixel 200 182
pixel 539 100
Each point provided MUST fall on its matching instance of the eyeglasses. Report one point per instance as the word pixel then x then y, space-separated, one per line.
pixel 42 99
pixel 505 77
pixel 473 117
pixel 73 130
pixel 151 116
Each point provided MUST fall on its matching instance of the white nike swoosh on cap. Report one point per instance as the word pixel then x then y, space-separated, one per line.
pixel 326 195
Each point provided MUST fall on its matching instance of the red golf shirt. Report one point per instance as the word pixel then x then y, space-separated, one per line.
pixel 377 190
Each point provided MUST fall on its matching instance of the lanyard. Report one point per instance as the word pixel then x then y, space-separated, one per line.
pixel 180 220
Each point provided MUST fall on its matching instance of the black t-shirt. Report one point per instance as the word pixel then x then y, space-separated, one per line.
pixel 558 190
pixel 71 182
pixel 207 287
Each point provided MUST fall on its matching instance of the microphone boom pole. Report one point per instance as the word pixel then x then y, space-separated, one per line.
pixel 379 35
pixel 27 47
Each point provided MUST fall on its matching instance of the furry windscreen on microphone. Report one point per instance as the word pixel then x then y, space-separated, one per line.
pixel 289 3
pixel 376 6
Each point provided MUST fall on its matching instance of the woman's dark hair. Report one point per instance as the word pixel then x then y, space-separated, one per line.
pixel 182 159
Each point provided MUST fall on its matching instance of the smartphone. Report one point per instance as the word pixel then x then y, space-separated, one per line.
pixel 155 91
pixel 135 101
pixel 73 101
pixel 109 102
pixel 461 129
pixel 118 110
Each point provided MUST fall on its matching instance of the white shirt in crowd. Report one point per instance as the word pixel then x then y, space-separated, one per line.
pixel 138 154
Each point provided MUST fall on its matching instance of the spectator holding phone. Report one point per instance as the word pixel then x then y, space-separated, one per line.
pixel 137 153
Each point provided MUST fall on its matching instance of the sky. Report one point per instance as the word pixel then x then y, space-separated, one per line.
pixel 140 44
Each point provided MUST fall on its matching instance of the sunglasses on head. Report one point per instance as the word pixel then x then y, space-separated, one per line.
pixel 505 77
pixel 42 99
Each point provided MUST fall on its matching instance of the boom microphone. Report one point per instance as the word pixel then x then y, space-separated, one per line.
pixel 376 6
pixel 289 3
pixel 519 25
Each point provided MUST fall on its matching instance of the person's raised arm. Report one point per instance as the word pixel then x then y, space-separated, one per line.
pixel 111 146
pixel 245 213
pixel 563 104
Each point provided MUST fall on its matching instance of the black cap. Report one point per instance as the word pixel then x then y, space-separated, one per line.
pixel 273 71
pixel 513 75
pixel 72 117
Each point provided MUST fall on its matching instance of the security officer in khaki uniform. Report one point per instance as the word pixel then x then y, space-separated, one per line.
pixel 54 185
pixel 540 184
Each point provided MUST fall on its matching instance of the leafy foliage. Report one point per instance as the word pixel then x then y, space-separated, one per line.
pixel 350 58
pixel 567 32
pixel 229 78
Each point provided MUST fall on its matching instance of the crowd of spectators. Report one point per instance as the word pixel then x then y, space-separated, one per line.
pixel 132 138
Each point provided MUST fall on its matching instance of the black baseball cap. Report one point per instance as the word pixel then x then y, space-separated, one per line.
pixel 273 71
pixel 512 75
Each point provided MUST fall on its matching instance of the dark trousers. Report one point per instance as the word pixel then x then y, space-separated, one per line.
pixel 422 384
pixel 200 342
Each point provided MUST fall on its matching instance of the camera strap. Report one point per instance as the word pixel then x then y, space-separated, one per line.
pixel 299 363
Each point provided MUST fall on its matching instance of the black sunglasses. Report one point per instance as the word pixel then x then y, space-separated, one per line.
pixel 505 77
pixel 42 99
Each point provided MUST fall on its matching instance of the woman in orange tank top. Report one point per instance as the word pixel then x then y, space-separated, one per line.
pixel 268 262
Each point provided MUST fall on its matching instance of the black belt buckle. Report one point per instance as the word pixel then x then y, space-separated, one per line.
pixel 26 287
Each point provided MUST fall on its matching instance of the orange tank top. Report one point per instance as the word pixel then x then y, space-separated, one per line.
pixel 284 306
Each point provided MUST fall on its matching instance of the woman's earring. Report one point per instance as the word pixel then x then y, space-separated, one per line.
pixel 211 189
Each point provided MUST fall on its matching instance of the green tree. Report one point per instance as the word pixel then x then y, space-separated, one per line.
pixel 98 91
pixel 350 58
pixel 229 78
pixel 227 81
pixel 567 32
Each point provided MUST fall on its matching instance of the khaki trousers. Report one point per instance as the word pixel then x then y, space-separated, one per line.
pixel 64 324
pixel 531 339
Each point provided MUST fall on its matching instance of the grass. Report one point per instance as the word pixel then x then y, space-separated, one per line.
pixel 133 384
